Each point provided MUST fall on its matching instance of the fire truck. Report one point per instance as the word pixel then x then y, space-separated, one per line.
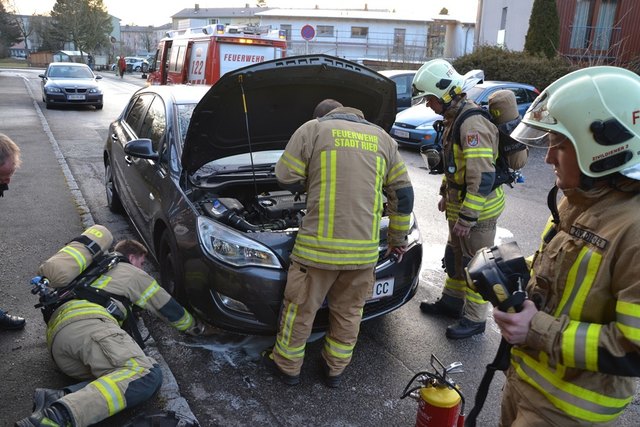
pixel 202 55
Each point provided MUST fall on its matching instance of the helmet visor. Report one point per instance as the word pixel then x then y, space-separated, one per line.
pixel 531 136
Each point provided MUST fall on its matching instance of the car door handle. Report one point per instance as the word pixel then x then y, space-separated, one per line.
pixel 128 159
pixel 114 137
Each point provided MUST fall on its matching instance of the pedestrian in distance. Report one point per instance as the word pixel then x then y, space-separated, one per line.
pixel 471 205
pixel 9 162
pixel 576 342
pixel 85 334
pixel 336 248
pixel 122 66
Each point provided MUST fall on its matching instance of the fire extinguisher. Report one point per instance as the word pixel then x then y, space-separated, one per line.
pixel 440 402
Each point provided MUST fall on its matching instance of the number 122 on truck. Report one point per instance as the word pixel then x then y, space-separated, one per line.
pixel 202 55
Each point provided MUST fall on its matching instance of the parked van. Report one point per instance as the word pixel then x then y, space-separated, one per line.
pixel 202 55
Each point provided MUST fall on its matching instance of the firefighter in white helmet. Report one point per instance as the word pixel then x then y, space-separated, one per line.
pixel 86 338
pixel 471 203
pixel 577 340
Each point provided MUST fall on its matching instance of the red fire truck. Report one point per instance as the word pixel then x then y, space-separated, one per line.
pixel 202 55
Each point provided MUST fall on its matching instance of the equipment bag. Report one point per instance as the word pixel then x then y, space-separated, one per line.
pixel 512 155
pixel 76 256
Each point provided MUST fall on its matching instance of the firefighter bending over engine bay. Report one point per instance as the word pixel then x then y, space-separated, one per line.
pixel 343 163
pixel 85 332
pixel 576 342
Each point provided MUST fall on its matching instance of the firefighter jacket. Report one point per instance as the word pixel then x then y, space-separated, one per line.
pixel 469 168
pixel 132 283
pixel 583 346
pixel 345 163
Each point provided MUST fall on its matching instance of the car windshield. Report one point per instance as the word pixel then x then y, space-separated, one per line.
pixel 474 93
pixel 70 72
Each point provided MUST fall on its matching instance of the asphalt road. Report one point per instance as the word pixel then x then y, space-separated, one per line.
pixel 218 379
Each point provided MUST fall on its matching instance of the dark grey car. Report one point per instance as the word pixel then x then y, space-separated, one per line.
pixel 198 183
pixel 70 83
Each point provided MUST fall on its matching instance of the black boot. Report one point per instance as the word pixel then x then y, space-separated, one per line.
pixel 445 306
pixel 465 328
pixel 54 416
pixel 44 397
pixel 8 321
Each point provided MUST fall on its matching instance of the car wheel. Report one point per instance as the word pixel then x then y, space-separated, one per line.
pixel 48 105
pixel 113 199
pixel 99 107
pixel 170 268
pixel 137 69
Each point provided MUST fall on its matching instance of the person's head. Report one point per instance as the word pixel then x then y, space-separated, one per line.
pixel 133 250
pixel 9 159
pixel 597 111
pixel 324 107
pixel 503 106
pixel 439 83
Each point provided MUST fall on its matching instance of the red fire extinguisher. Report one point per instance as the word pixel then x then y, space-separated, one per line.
pixel 440 403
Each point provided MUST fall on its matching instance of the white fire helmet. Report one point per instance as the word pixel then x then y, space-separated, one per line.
pixel 598 110
pixel 438 78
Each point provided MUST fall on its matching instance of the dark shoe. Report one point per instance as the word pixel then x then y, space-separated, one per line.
pixel 49 417
pixel 465 328
pixel 44 397
pixel 271 366
pixel 8 321
pixel 445 306
pixel 332 381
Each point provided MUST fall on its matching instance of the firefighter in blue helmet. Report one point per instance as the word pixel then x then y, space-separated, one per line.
pixel 87 342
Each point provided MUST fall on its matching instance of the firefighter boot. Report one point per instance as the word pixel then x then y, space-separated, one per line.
pixel 54 416
pixel 332 381
pixel 465 328
pixel 272 367
pixel 445 306
pixel 44 397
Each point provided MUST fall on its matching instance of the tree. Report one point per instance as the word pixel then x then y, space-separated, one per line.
pixel 543 35
pixel 85 23
pixel 9 31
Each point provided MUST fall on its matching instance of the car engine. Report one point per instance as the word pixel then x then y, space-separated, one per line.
pixel 275 210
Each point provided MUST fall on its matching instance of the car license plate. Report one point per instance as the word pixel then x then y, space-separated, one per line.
pixel 401 133
pixel 75 97
pixel 382 288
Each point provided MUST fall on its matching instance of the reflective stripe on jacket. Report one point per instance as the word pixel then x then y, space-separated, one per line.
pixel 469 170
pixel 345 163
pixel 583 347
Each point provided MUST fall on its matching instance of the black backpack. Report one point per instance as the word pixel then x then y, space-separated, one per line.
pixel 506 173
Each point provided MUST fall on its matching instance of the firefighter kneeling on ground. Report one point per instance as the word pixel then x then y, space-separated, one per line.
pixel 86 339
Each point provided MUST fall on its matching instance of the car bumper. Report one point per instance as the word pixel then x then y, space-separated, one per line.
pixel 413 138
pixel 68 99
pixel 248 300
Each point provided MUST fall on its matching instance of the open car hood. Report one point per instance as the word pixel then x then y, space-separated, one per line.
pixel 280 95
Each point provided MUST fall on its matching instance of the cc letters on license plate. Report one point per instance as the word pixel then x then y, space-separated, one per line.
pixel 382 288
pixel 401 133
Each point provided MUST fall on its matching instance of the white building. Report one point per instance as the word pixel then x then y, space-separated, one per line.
pixel 503 23
pixel 378 35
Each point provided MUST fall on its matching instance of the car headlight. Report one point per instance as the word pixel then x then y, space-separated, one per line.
pixel 52 89
pixel 425 126
pixel 413 236
pixel 232 247
pixel 94 90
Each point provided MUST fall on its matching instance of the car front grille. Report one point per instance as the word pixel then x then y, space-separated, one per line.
pixel 74 90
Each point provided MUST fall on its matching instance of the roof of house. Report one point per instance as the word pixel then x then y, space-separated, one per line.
pixel 218 12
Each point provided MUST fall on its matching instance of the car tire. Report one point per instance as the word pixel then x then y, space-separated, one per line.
pixel 170 268
pixel 48 105
pixel 137 69
pixel 113 198
pixel 99 106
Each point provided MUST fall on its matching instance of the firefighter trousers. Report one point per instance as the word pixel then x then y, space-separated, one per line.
pixel 524 406
pixel 118 373
pixel 457 255
pixel 345 291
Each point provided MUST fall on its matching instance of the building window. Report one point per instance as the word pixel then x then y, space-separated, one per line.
pixel 593 28
pixel 359 32
pixel 324 30
pixel 287 29
pixel 399 36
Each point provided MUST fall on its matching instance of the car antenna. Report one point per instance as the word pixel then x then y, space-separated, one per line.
pixel 246 122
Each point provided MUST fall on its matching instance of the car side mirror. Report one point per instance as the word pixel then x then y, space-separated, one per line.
pixel 141 148
pixel 41 76
pixel 98 77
